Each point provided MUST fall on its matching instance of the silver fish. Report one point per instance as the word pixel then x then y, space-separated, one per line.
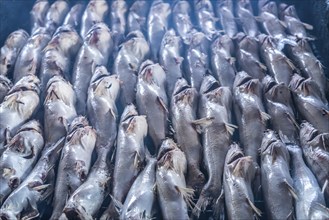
pixel 20 103
pixel 20 156
pixel 38 14
pixel 277 184
pixel 5 86
pixel 227 21
pixel 239 172
pixel 56 15
pixel 73 18
pixel 174 197
pixel 136 19
pixel 10 50
pixel 268 6
pixel 183 116
pixel 246 18
pixel 74 163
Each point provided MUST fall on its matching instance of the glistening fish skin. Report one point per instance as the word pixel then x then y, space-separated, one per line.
pixel 38 14
pixel 137 15
pixel 20 156
pixel 228 21
pixel 73 18
pixel 5 86
pixel 246 17
pixel 56 15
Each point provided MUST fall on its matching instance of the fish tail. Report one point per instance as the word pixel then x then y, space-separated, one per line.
pixel 201 205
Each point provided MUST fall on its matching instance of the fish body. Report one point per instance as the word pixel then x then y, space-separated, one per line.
pixel 137 16
pixel 38 14
pixel 5 86
pixel 227 21
pixel 246 18
pixel 56 15
pixel 73 18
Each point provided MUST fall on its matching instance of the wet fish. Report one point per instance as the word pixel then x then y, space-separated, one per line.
pixel 129 156
pixel 170 58
pixel 227 21
pixel 19 157
pixel 73 17
pixel 10 50
pixel 310 103
pixel 152 100
pixel 157 25
pixel 137 15
pixel 215 103
pixel 277 183
pixel 239 172
pixel 96 49
pixel 246 18
pixel 132 53
pixel 38 14
pixel 310 203
pixel 29 59
pixel 173 195
pixel 279 104
pixel 223 3
pixel 183 111
pixel 56 15
pixel 20 103
pixel 59 110
pixel 315 149
pixel 268 6
pixel 23 202
pixel 74 163
pixel 5 86
pixel 95 12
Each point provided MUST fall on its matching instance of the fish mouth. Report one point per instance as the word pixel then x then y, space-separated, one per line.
pixel 296 81
pixel 243 79
pixel 129 112
pixel 167 145
pixel 211 87
pixel 134 34
pixel 99 74
pixel 235 156
pixel 181 86
pixel 269 85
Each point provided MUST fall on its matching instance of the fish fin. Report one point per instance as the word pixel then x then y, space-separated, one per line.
pixel 202 123
pixel 265 117
pixel 162 104
pixel 201 205
pixel 262 66
pixel 137 160
pixel 283 24
pixel 289 62
pixel 187 194
pixel 324 186
pixel 324 210
pixel 7 136
pixel 253 207
pixel 219 205
pixel 230 128
pixel 231 60
pixel 41 187
pixel 291 189
pixel 284 138
pixel 7 171
pixel 117 204
pixel 307 26
pixel 293 121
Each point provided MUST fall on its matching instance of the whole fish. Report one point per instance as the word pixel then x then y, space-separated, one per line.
pixel 10 50
pixel 278 65
pixel 206 19
pixel 141 197
pixel 102 112
pixel 59 110
pixel 222 61
pixel 310 203
pixel 38 14
pixel 215 102
pixel 56 15
pixel 181 15
pixel 95 12
pixel 29 59
pixel 173 195
pixel 277 183
pixel 136 19
pixel 74 163
pixel 96 49
pixel 279 104
pixel 132 53
pixel 157 25
pixel 227 21
pixel 5 86
pixel 239 172
pixel 20 103
pixel 183 111
pixel 20 156
pixel 73 17
pixel 246 18
pixel 315 149
pixel 310 103
pixel 170 58
pixel 152 100
pixel 23 202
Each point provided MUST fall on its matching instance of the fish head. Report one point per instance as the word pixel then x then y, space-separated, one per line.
pixel 289 10
pixel 304 86
pixel 246 83
pixel 134 34
pixel 99 36
pixel 184 93
pixel 227 43
pixel 265 41
pixel 119 6
pixel 98 7
pixel 68 39
pixel 136 125
pixel 28 82
pixel 276 91
pixel 308 132
pixel 129 112
pixel 199 38
pixel 152 73
pixel 7 214
pixel 239 164
pixel 270 7
pixel 78 122
pixel 212 90
pixel 104 84
pixel 5 82
pixel 32 125
pixel 272 145
pixel 60 89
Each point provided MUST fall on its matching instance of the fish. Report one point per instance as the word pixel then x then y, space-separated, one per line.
pixel 152 101
pixel 183 109
pixel 73 17
pixel 102 112
pixel 239 172
pixel 56 15
pixel 74 162
pixel 315 151
pixel 96 49
pixel 277 183
pixel 95 12
pixel 5 86
pixel 29 59
pixel 310 103
pixel 173 195
pixel 18 106
pixel 206 19
pixel 38 14
pixel 227 21
pixel 279 104
pixel 182 21
pixel 268 6
pixel 132 53
pixel 222 60
pixel 137 16
pixel 23 202
pixel 129 157
pixel 310 203
pixel 20 156
pixel 223 3
pixel 171 59
pixel 215 104
pixel 59 108
pixel 10 51
pixel 157 25
pixel 246 18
